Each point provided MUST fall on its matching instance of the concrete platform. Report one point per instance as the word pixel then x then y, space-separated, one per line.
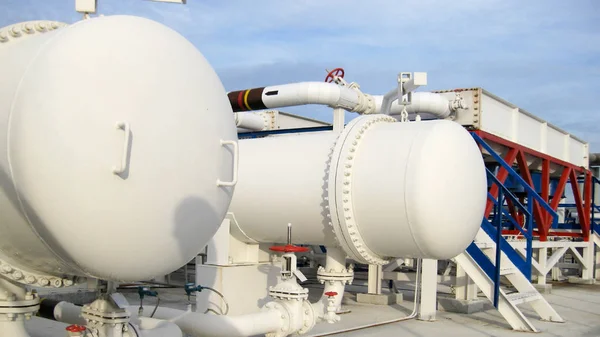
pixel 544 289
pixel 379 299
pixel 578 304
pixel 579 280
pixel 462 306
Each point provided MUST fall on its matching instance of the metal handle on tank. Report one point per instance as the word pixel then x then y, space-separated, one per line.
pixel 236 155
pixel 123 167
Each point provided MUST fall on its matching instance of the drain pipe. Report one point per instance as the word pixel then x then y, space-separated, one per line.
pixel 334 277
pixel 412 315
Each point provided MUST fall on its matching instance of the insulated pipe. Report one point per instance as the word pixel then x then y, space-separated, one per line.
pixel 332 95
pixel 294 94
pixel 377 189
pixel 198 324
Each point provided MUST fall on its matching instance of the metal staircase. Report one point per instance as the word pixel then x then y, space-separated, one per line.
pixel 478 265
pixel 490 259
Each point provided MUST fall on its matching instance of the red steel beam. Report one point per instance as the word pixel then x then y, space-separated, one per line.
pixel 560 188
pixel 587 196
pixel 537 209
pixel 512 145
pixel 583 217
pixel 501 176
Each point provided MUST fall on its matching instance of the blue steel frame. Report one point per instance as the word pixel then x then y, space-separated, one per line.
pixel 501 215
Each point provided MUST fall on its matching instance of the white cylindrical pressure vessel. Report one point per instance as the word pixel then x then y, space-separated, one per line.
pixel 113 134
pixel 380 190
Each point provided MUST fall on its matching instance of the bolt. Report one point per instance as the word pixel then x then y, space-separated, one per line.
pixel 6 269
pixel 43 282
pixel 30 279
pixel 28 296
pixel 17 275
pixel 57 283
pixel 68 282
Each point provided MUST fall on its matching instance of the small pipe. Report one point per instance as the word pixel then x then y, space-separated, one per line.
pixel 412 315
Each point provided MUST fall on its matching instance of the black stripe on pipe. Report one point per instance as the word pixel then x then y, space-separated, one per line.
pixel 253 99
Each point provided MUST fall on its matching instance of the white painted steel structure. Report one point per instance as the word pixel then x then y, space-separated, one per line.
pixel 99 125
pixel 492 114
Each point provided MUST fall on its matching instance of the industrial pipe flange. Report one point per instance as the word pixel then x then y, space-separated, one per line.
pixel 345 276
pixel 24 29
pixel 33 279
pixel 340 189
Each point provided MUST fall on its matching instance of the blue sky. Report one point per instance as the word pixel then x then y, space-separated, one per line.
pixel 542 55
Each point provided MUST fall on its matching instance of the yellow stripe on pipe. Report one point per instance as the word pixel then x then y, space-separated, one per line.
pixel 246 100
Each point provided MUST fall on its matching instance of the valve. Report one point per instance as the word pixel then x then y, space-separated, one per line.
pixel 334 74
pixel 331 316
pixel 289 267
pixel 76 330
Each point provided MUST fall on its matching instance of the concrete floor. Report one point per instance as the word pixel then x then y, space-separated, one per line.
pixel 579 305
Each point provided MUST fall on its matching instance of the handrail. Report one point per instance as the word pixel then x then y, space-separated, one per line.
pixel 530 191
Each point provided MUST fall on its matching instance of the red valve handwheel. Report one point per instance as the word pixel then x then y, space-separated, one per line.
pixel 339 72
pixel 330 293
pixel 76 328
pixel 289 249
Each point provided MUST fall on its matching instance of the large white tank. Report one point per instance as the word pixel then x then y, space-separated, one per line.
pixel 110 150
pixel 381 190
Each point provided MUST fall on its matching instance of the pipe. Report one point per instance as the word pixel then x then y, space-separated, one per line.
pixel 294 94
pixel 412 315
pixel 335 261
pixel 152 327
pixel 197 324
pixel 334 96
pixel 61 311
pixel 10 296
pixel 422 102
pixel 249 121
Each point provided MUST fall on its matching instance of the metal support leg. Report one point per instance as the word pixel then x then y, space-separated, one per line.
pixel 428 305
pixel 338 120
pixel 375 275
pixel 587 272
pixel 542 261
pixel 465 287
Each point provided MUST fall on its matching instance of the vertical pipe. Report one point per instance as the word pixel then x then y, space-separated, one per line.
pixel 529 237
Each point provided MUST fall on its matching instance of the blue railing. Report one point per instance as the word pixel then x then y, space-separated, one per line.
pixel 501 216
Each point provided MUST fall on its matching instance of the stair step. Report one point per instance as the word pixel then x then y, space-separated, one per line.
pixel 485 245
pixel 519 298
pixel 508 271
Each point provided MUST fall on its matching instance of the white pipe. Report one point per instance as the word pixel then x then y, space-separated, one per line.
pixel 335 261
pixel 249 121
pixel 68 313
pixel 337 96
pixel 198 324
pixel 422 102
pixel 151 327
